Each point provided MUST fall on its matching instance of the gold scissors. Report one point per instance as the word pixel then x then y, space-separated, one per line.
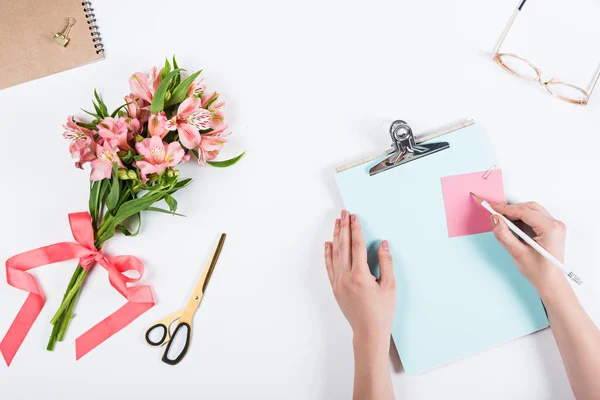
pixel 185 315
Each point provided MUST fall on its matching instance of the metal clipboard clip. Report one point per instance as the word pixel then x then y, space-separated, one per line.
pixel 405 148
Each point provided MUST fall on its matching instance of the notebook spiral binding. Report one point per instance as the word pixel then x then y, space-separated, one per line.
pixel 91 20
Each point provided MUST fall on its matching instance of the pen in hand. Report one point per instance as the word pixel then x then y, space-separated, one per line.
pixel 529 240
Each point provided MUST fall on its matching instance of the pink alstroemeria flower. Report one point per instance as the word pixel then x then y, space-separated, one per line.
pixel 211 143
pixel 82 147
pixel 143 85
pixel 118 132
pixel 156 124
pixel 133 126
pixel 190 119
pixel 197 88
pixel 209 148
pixel 137 108
pixel 103 164
pixel 215 106
pixel 158 156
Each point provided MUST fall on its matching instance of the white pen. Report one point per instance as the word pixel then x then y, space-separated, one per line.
pixel 529 240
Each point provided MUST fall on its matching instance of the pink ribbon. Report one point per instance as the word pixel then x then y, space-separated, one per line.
pixel 139 298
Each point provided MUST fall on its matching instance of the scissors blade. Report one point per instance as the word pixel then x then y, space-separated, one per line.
pixel 214 261
pixel 206 275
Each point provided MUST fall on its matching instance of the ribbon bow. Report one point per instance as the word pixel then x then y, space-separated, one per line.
pixel 140 298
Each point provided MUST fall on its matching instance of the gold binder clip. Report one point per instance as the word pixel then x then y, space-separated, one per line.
pixel 62 37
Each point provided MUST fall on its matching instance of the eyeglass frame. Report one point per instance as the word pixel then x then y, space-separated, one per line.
pixel 553 81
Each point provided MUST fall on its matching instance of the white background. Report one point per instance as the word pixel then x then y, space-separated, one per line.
pixel 310 85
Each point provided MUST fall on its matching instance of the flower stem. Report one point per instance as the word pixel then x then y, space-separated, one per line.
pixel 52 340
pixel 72 291
pixel 56 328
pixel 67 317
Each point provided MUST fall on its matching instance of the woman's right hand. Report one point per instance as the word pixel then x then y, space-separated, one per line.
pixel 550 234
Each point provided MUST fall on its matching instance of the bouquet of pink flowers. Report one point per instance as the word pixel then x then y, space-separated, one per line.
pixel 167 119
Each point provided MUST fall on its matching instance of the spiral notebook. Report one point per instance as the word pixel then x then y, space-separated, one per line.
pixel 28 33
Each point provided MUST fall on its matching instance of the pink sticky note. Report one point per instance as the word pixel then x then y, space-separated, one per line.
pixel 463 214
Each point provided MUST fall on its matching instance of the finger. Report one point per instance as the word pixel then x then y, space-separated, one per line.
pixel 537 207
pixel 359 249
pixel 329 261
pixel 514 246
pixel 386 265
pixel 519 212
pixel 344 251
pixel 335 246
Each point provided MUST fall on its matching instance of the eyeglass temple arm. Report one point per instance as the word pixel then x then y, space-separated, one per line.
pixel 509 26
pixel 594 82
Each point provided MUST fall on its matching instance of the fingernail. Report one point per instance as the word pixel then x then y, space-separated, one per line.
pixel 326 245
pixel 337 223
pixel 353 218
pixel 343 214
pixel 385 245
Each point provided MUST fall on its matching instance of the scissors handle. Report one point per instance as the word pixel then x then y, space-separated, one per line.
pixel 183 329
pixel 163 326
pixel 162 340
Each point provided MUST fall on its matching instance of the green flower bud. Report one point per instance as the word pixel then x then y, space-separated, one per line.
pixel 167 96
pixel 137 188
pixel 132 175
pixel 177 173
pixel 123 174
pixel 121 154
pixel 170 173
pixel 153 177
pixel 139 138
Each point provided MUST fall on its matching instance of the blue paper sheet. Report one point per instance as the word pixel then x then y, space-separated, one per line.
pixel 455 296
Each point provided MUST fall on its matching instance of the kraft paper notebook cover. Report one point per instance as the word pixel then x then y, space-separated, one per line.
pixel 458 290
pixel 27 50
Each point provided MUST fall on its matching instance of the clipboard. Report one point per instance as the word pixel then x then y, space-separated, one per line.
pixel 456 296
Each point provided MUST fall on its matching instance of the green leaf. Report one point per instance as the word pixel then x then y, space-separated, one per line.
pixel 103 189
pixel 126 232
pixel 160 210
pixel 166 69
pixel 97 194
pixel 92 114
pixel 93 202
pixel 178 76
pixel 158 101
pixel 180 92
pixel 115 186
pixel 98 110
pixel 179 185
pixel 114 113
pixel 127 209
pixel 88 126
pixel 226 163
pixel 183 183
pixel 171 202
pixel 101 105
pixel 138 157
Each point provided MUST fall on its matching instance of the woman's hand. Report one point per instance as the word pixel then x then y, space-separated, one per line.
pixel 550 234
pixel 367 303
pixel 577 337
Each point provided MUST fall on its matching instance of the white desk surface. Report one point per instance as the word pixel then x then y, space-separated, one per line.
pixel 310 86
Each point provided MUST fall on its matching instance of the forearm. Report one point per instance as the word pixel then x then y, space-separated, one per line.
pixel 577 337
pixel 372 376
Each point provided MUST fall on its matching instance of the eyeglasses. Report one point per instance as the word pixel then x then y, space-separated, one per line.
pixel 524 68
